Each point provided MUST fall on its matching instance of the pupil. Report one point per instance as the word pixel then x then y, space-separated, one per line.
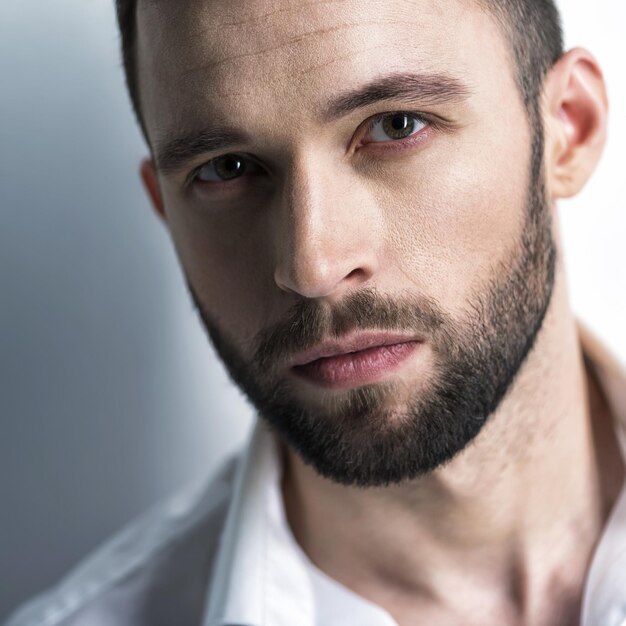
pixel 229 167
pixel 399 122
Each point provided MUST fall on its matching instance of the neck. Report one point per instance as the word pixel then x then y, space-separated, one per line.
pixel 521 508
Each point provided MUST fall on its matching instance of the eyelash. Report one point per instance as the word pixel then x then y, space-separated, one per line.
pixel 391 145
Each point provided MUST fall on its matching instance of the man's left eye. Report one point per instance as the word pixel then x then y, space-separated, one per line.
pixel 394 126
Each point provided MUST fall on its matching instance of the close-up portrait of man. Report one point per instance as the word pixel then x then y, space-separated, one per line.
pixel 362 196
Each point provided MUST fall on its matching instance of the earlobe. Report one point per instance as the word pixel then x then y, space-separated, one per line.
pixel 575 116
pixel 151 185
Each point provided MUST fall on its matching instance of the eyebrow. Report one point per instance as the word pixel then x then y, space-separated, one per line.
pixel 173 151
pixel 425 88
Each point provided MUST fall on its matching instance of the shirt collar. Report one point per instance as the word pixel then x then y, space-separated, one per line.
pixel 245 588
pixel 604 598
pixel 262 577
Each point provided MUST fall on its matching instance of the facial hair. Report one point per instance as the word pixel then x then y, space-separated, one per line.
pixel 356 438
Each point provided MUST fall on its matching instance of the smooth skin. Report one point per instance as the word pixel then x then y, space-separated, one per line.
pixel 502 535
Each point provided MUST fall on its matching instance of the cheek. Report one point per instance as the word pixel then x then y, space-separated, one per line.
pixel 224 261
pixel 458 212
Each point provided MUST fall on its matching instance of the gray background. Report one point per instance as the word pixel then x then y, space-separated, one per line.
pixel 110 397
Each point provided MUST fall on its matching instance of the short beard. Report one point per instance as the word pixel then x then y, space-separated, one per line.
pixel 355 438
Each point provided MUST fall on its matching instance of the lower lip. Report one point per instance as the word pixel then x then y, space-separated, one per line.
pixel 356 368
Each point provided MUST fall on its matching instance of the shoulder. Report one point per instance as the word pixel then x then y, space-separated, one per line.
pixel 157 566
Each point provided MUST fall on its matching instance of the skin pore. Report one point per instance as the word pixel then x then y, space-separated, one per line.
pixel 503 533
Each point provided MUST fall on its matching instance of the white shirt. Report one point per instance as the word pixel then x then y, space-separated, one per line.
pixel 222 554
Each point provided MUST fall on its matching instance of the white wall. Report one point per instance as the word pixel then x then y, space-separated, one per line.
pixel 109 395
pixel 594 223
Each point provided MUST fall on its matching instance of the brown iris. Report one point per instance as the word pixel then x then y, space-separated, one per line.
pixel 229 166
pixel 399 125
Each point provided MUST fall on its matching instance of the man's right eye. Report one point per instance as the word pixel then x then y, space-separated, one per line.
pixel 222 168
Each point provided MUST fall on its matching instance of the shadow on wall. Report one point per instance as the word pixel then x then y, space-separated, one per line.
pixel 108 394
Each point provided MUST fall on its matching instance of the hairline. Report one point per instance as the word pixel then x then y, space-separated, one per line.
pixel 494 9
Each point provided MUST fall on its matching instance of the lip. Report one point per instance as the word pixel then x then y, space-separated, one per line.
pixel 355 361
pixel 355 343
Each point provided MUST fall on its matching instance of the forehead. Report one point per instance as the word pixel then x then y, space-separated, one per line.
pixel 259 58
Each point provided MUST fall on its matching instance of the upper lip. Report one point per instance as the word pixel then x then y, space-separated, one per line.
pixel 353 343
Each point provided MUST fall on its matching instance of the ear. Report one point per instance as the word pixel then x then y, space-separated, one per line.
pixel 575 119
pixel 151 185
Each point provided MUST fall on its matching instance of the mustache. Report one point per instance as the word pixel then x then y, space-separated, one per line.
pixel 309 322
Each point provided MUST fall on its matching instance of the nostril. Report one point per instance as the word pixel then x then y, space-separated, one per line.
pixel 354 273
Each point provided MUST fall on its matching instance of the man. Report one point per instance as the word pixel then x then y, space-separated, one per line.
pixel 363 200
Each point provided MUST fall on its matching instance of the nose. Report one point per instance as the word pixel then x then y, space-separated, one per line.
pixel 327 235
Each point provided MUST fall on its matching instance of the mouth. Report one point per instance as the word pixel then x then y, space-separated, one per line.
pixel 359 360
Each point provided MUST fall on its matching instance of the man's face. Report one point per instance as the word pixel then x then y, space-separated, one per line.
pixel 339 176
